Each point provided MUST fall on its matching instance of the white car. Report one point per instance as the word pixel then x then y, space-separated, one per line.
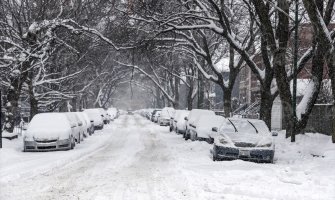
pixel 179 122
pixel 156 116
pixel 49 131
pixel 113 112
pixel 192 117
pixel 246 139
pixel 203 127
pixel 86 123
pixel 77 124
pixel 95 115
pixel 104 115
pixel 165 117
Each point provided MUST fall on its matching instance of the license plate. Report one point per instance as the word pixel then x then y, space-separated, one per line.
pixel 245 153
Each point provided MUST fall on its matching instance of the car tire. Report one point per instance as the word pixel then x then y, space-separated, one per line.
pixel 187 136
pixel 170 129
pixel 214 158
pixel 72 143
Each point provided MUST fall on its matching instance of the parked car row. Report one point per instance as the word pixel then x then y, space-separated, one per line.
pixel 232 138
pixel 62 131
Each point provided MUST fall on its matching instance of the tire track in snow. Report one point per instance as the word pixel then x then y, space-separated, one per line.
pixel 134 164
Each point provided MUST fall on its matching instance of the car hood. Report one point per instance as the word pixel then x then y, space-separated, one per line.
pixel 249 140
pixel 42 134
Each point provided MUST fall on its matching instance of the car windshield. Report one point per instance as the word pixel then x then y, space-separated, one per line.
pixel 260 126
pixel 244 126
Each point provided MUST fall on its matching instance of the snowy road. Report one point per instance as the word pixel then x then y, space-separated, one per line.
pixel 136 159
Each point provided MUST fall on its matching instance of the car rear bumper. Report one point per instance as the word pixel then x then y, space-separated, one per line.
pixel 47 145
pixel 257 155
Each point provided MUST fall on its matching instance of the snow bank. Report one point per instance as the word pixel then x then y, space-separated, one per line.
pixel 17 165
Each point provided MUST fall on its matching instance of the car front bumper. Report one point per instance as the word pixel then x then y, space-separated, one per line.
pixel 255 154
pixel 47 145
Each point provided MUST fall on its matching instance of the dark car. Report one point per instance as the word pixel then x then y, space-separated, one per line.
pixel 245 139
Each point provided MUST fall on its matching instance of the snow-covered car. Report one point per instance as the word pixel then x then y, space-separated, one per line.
pixel 95 115
pixel 165 117
pixel 153 114
pixel 49 131
pixel 104 115
pixel 246 139
pixel 192 117
pixel 156 116
pixel 78 126
pixel 179 122
pixel 203 127
pixel 90 122
pixel 113 113
pixel 87 125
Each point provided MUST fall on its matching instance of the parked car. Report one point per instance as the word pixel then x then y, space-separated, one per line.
pixel 104 115
pixel 78 126
pixel 165 117
pixel 95 115
pixel 90 122
pixel 203 127
pixel 49 131
pixel 179 122
pixel 153 114
pixel 86 123
pixel 113 112
pixel 246 139
pixel 192 117
pixel 157 115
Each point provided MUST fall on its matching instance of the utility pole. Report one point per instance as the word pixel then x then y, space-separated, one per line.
pixel 295 63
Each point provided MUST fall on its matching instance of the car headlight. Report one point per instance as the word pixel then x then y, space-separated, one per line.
pixel 223 141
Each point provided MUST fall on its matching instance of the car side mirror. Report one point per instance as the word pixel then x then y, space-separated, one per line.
pixel 215 129
pixel 274 133
pixel 186 118
pixel 92 121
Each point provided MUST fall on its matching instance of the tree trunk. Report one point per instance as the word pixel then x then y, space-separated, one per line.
pixel 13 96
pixel 189 98
pixel 227 92
pixel 201 95
pixel 32 100
pixel 176 92
pixel 266 104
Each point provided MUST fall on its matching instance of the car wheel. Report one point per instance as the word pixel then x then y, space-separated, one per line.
pixel 72 143
pixel 214 155
pixel 170 129
pixel 187 136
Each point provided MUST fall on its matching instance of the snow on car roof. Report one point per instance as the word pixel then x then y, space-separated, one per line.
pixel 49 121
pixel 210 121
